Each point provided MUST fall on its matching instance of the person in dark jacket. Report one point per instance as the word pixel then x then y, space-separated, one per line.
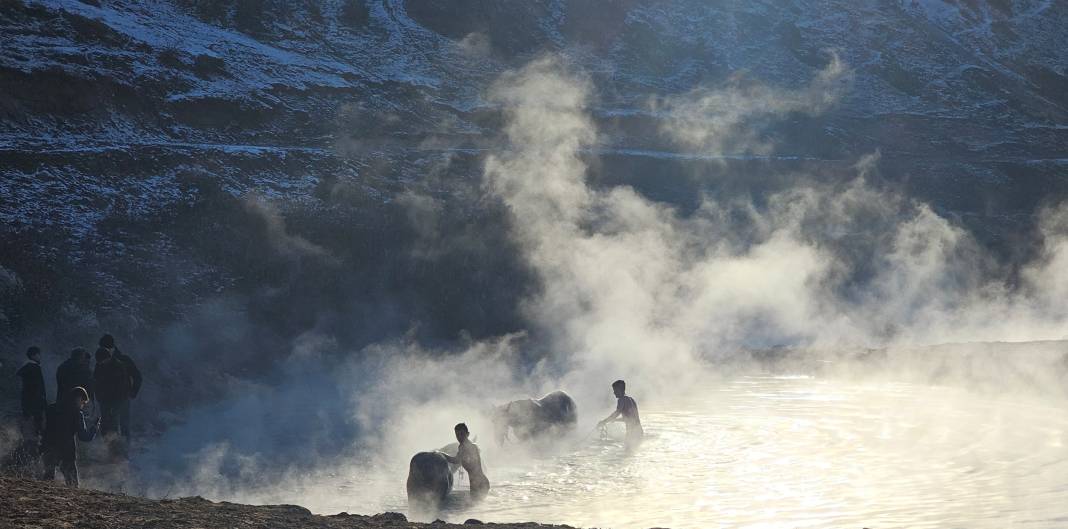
pixel 121 388
pixel 112 391
pixel 65 426
pixel 74 372
pixel 34 401
pixel 108 341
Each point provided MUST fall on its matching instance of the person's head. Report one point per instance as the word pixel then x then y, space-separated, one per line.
pixel 79 354
pixel 78 397
pixel 107 341
pixel 462 432
pixel 619 388
pixel 103 354
pixel 34 353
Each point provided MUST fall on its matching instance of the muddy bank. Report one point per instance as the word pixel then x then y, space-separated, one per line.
pixel 33 504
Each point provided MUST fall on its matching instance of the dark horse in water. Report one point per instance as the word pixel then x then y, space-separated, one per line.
pixel 430 480
pixel 547 418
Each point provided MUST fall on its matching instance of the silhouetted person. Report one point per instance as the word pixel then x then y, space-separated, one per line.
pixel 34 401
pixel 65 426
pixel 468 457
pixel 108 341
pixel 112 392
pixel 133 384
pixel 626 411
pixel 75 372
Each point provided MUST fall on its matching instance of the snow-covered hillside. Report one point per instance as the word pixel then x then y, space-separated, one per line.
pixel 158 155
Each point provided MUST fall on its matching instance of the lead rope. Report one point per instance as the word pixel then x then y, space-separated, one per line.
pixel 602 431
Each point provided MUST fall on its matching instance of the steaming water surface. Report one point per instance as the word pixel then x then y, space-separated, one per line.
pixel 788 452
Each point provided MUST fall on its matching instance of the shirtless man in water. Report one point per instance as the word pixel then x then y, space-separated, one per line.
pixel 467 456
pixel 626 411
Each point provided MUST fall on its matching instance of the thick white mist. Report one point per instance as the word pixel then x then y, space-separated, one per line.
pixel 630 288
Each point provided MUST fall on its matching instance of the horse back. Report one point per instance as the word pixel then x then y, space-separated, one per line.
pixel 429 472
pixel 558 407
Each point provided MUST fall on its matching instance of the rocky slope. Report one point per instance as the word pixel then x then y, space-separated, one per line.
pixel 206 177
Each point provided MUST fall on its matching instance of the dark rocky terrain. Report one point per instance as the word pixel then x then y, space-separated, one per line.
pixel 33 504
pixel 129 129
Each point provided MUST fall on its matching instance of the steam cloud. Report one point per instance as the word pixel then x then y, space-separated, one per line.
pixel 284 242
pixel 632 288
pixel 728 119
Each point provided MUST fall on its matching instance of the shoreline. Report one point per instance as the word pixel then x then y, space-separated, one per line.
pixel 28 503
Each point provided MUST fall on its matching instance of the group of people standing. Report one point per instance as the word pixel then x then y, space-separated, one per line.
pixel 56 428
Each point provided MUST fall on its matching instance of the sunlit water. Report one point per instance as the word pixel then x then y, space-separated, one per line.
pixel 786 452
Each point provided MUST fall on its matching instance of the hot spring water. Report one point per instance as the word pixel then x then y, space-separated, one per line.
pixel 783 452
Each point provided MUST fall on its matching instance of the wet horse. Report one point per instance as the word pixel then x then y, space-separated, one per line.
pixel 549 417
pixel 429 481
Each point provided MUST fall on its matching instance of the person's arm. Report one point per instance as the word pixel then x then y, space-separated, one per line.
pixel 134 373
pixel 42 390
pixel 458 459
pixel 93 384
pixel 86 434
pixel 615 416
